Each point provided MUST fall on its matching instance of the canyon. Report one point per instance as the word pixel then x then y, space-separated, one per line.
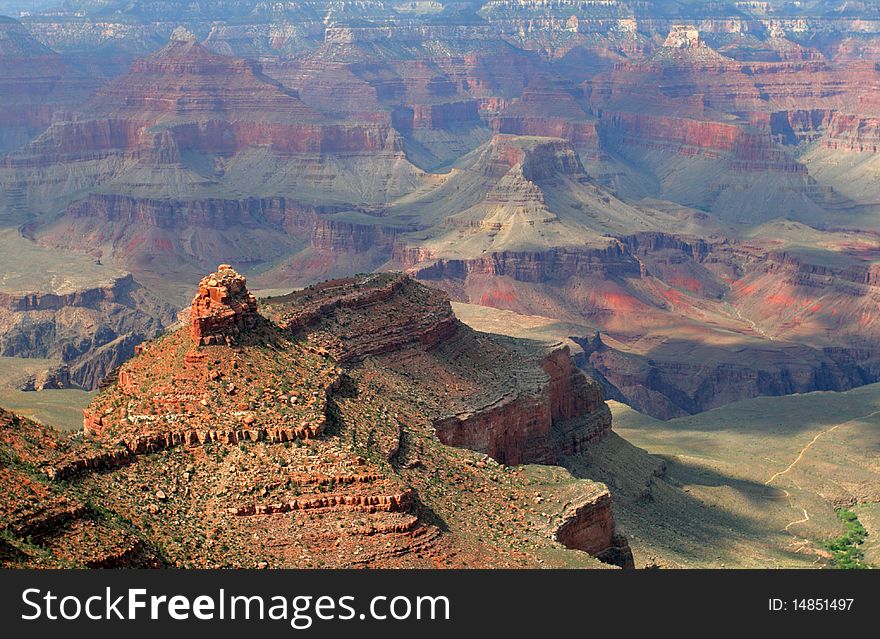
pixel 511 172
pixel 673 206
pixel 333 448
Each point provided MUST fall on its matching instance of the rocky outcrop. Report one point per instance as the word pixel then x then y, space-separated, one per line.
pixel 305 420
pixel 52 301
pixel 563 418
pixel 683 36
pixel 589 526
pixel 53 378
pixel 514 430
pixel 389 328
pixel 222 309
pixel 401 502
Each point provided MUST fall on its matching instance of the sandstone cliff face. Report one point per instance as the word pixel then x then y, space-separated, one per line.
pixel 346 237
pixel 548 110
pixel 850 132
pixel 249 229
pixel 134 137
pixel 514 431
pixel 170 214
pixel 799 125
pixel 52 301
pixel 589 526
pixel 545 266
pixel 528 411
pixel 746 151
pixel 583 135
pixel 565 415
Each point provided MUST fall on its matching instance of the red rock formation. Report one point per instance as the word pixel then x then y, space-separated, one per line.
pixel 514 430
pixel 378 355
pixel 566 415
pixel 689 99
pixel 590 527
pixel 222 308
pixel 570 393
pixel 746 150
pixel 347 237
pixel 213 213
pixel 185 97
pixel 395 321
pixel 849 132
pixel 88 297
pixel 547 110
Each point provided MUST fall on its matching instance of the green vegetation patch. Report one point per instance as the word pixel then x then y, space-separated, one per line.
pixel 846 553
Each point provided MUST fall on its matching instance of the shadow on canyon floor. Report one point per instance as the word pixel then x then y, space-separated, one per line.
pixel 669 525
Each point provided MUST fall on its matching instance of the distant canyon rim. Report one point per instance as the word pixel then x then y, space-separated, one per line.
pixel 671 204
pixel 690 192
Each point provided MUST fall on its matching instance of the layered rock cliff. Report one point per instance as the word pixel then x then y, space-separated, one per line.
pixel 295 418
pixel 34 82
pixel 797 319
pixel 87 316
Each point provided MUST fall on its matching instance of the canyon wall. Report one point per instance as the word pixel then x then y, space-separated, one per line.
pixel 589 526
pixel 804 321
pixel 546 266
pixel 91 330
pixel 520 428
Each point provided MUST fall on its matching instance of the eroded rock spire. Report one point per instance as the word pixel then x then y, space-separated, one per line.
pixel 222 308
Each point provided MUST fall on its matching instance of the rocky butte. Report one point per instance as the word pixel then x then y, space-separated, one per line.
pixel 352 423
pixel 223 308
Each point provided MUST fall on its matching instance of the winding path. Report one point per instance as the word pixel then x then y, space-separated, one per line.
pixel 806 448
pixel 801 456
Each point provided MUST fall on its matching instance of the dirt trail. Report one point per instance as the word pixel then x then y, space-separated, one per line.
pixel 805 449
pixel 801 456
pixel 814 440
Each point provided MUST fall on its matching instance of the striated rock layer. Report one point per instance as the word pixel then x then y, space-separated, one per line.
pixel 686 324
pixel 305 433
pixel 92 330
